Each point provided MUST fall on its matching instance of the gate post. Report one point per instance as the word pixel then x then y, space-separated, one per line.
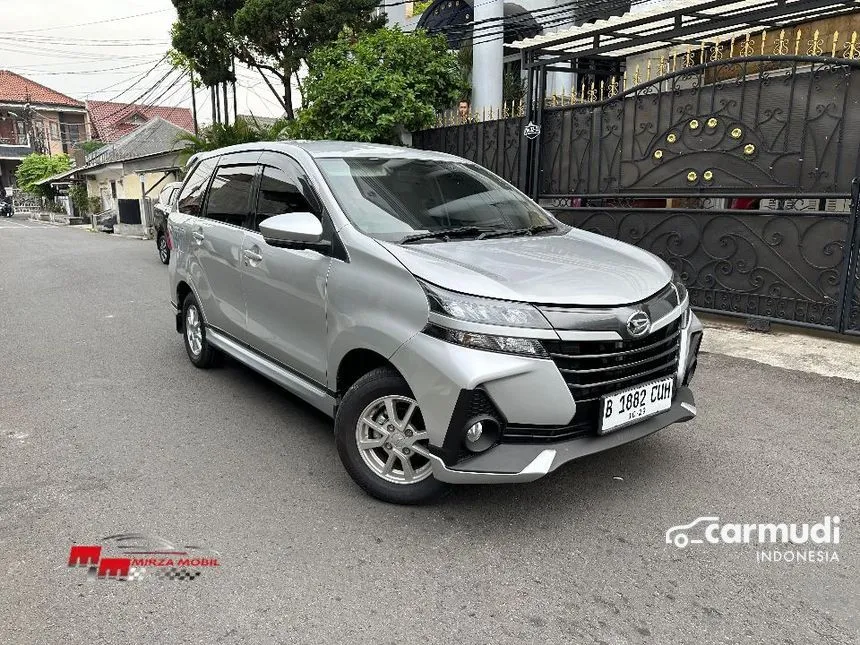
pixel 852 258
pixel 525 143
pixel 530 135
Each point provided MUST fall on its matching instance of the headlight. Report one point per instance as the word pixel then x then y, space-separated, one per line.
pixel 483 310
pixel 488 342
pixel 683 298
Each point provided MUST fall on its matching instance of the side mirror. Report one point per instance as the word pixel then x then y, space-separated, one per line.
pixel 292 230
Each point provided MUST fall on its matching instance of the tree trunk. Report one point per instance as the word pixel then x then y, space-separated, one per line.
pixel 288 93
pixel 226 108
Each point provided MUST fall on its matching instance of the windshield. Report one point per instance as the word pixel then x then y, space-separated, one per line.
pixel 393 199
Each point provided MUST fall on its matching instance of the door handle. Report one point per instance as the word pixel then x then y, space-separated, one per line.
pixel 251 256
pixel 198 236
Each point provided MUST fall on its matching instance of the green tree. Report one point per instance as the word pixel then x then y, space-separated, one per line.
pixel 284 32
pixel 272 35
pixel 80 198
pixel 219 135
pixel 375 87
pixel 35 167
pixel 90 146
pixel 202 38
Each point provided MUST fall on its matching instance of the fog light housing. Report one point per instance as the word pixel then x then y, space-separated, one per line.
pixel 692 357
pixel 482 432
pixel 474 433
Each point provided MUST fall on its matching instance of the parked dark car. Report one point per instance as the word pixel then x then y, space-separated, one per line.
pixel 6 209
pixel 160 211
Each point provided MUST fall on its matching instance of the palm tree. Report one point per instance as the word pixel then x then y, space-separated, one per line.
pixel 219 135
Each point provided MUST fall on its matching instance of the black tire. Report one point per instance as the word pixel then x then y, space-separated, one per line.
pixel 163 250
pixel 207 356
pixel 370 387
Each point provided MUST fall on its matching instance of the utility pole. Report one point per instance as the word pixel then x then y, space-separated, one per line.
pixel 214 95
pixel 193 102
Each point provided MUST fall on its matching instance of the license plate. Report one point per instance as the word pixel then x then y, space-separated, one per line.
pixel 622 408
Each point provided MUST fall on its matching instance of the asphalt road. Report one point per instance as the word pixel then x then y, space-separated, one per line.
pixel 106 428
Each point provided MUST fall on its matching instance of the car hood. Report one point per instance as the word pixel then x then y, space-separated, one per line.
pixel 577 268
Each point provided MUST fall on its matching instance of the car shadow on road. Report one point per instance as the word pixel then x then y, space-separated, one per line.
pixel 584 484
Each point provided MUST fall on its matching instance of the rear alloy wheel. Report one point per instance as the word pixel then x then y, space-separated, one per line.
pixel 163 249
pixel 382 440
pixel 200 352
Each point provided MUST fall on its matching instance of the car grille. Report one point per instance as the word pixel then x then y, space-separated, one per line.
pixel 592 369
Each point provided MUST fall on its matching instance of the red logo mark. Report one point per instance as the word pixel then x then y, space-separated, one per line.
pixel 84 556
pixel 114 568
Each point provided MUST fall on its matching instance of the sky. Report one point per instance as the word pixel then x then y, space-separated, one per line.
pixel 114 57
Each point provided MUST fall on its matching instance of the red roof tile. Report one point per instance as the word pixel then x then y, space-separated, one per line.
pixel 110 121
pixel 14 88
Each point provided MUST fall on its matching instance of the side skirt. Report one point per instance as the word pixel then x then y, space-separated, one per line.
pixel 301 387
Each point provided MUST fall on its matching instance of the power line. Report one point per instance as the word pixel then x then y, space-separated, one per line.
pixel 107 42
pixel 53 53
pixel 88 72
pixel 137 101
pixel 559 16
pixel 86 24
pixel 546 12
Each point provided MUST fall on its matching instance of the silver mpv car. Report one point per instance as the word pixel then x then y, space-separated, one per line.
pixel 454 329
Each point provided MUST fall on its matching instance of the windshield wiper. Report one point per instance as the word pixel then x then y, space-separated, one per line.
pixel 540 228
pixel 444 234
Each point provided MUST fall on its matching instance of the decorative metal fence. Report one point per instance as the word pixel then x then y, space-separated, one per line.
pixel 491 142
pixel 732 163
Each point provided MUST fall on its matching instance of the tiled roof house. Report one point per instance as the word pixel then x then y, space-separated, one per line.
pixel 111 121
pixel 34 117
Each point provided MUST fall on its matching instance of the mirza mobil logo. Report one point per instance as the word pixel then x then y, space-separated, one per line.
pixel 136 556
pixel 778 541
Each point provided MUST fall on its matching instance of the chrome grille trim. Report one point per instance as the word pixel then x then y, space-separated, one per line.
pixel 587 367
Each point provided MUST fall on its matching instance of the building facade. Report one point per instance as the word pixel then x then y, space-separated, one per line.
pixel 35 118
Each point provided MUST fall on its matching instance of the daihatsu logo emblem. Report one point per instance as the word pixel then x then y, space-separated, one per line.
pixel 638 324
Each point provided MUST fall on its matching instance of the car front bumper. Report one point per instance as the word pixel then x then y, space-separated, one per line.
pixel 511 463
pixel 525 391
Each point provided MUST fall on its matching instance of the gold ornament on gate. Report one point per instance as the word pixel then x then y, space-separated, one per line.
pixel 736 133
pixel 708 175
pixel 658 154
pixel 749 149
pixel 694 124
pixel 671 137
pixel 692 176
pixel 712 122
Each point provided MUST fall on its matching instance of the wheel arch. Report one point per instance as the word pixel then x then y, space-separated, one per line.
pixel 183 288
pixel 356 363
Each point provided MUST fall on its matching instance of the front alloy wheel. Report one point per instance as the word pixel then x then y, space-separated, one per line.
pixel 392 441
pixel 382 441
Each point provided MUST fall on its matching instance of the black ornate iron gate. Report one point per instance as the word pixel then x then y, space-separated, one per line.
pixel 737 171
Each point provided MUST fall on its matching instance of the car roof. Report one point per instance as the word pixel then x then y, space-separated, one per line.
pixel 336 149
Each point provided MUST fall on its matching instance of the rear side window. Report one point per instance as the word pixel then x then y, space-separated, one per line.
pixel 191 198
pixel 284 189
pixel 230 195
pixel 166 195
